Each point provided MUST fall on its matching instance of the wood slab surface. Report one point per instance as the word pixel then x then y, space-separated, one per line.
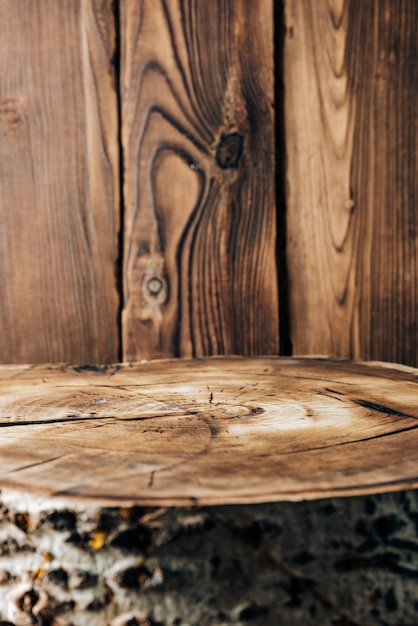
pixel 209 431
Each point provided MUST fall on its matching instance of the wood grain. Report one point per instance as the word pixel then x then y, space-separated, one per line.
pixel 206 431
pixel 351 81
pixel 59 189
pixel 197 131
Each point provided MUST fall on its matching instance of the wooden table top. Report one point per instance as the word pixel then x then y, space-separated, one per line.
pixel 209 431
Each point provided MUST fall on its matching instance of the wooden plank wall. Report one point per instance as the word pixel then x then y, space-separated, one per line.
pixel 197 253
pixel 59 187
pixel 198 139
pixel 351 83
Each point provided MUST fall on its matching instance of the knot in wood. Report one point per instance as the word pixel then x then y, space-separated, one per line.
pixel 10 114
pixel 155 286
pixel 229 151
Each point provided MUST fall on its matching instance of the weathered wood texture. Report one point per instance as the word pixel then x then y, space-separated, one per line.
pixel 351 81
pixel 198 133
pixel 209 431
pixel 59 189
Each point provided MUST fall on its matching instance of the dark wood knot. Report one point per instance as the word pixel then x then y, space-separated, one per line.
pixel 229 151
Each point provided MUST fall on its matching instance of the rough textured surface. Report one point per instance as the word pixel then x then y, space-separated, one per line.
pixel 333 562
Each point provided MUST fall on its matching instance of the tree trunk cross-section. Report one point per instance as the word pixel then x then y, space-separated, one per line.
pixel 59 187
pixel 351 87
pixel 198 141
pixel 208 431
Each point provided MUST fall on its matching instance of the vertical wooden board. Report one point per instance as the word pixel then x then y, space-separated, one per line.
pixel 351 80
pixel 198 139
pixel 59 192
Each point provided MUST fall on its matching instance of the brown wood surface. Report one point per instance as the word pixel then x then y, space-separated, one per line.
pixel 351 82
pixel 209 430
pixel 198 133
pixel 59 196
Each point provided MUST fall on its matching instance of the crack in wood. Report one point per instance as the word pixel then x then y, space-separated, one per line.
pixel 77 419
pixel 351 442
pixel 380 408
pixel 38 463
